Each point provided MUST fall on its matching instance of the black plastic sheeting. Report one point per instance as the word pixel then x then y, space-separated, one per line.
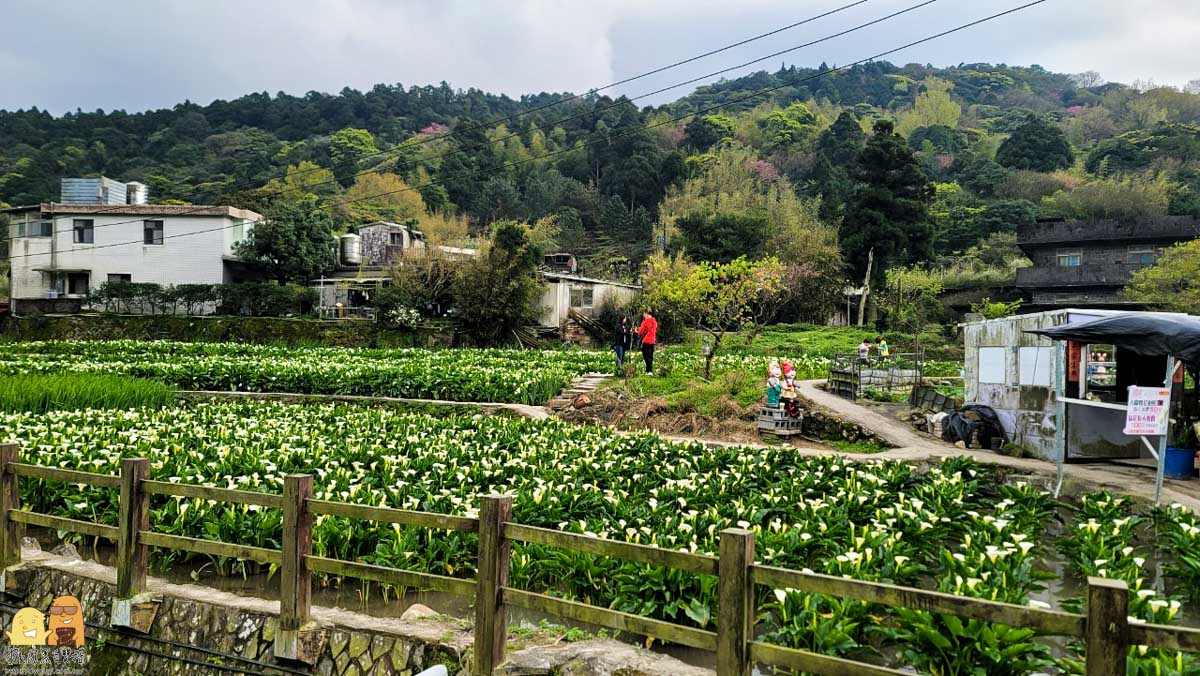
pixel 1141 332
pixel 973 422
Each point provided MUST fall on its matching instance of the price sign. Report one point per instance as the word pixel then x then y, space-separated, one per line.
pixel 1149 411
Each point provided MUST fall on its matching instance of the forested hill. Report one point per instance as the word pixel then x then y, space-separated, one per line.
pixel 882 85
pixel 927 166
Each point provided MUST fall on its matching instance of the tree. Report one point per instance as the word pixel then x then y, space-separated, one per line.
pixel 784 128
pixel 705 131
pixel 299 182
pixel 1087 79
pixel 347 148
pixel 381 197
pixel 838 148
pixel 1036 145
pixel 422 279
pixel 931 108
pixel 724 236
pixel 890 211
pixel 1172 283
pixel 496 293
pixel 910 298
pixel 715 298
pixel 981 175
pixel 293 242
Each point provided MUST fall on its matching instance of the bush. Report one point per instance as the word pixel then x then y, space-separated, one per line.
pixel 67 391
pixel 265 299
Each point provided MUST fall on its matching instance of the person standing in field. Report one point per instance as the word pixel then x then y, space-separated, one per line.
pixel 622 341
pixel 884 352
pixel 864 350
pixel 648 332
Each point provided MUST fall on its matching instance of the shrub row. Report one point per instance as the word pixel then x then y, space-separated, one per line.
pixel 258 299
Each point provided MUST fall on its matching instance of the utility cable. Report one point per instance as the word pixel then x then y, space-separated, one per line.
pixel 403 146
pixel 635 129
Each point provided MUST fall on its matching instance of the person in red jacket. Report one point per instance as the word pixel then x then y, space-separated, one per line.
pixel 649 334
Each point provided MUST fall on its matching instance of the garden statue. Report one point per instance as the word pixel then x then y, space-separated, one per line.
pixel 789 395
pixel 774 387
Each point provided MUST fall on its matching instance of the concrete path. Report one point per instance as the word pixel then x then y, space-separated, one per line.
pixel 914 446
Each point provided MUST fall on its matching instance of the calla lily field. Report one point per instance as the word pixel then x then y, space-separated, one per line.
pixel 957 526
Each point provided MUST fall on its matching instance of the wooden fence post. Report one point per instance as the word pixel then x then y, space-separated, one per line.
pixel 735 602
pixel 490 617
pixel 295 579
pixel 10 500
pixel 134 515
pixel 133 556
pixel 1107 627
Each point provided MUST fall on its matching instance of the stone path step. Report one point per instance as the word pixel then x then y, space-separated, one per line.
pixel 582 384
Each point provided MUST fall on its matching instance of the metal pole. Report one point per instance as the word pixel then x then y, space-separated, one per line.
pixel 1162 441
pixel 1060 412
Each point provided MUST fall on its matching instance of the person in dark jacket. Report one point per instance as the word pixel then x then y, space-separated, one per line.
pixel 622 340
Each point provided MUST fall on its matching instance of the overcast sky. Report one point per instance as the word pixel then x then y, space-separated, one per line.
pixel 142 54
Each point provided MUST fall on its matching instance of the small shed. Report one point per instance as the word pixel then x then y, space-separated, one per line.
pixel 1013 372
pixel 564 293
pixel 1061 392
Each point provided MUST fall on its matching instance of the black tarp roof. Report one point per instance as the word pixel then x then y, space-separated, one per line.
pixel 1141 332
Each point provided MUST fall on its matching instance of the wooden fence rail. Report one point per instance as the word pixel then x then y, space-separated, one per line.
pixel 1105 629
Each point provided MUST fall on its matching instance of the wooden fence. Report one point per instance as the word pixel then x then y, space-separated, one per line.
pixel 1105 628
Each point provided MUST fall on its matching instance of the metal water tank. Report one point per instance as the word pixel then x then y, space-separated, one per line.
pixel 350 245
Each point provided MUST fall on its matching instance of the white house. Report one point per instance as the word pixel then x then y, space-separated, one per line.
pixel 59 251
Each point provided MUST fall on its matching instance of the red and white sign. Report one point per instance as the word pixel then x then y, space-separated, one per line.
pixel 1148 412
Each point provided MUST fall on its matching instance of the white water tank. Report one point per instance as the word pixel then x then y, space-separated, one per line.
pixel 350 246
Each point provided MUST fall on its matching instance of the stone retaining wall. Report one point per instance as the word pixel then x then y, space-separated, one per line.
pixel 201 631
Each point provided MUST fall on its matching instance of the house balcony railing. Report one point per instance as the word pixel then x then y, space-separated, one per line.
pixel 1075 232
pixel 1101 274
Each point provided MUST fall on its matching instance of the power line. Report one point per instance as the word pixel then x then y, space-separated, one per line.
pixel 404 146
pixel 588 113
pixel 638 128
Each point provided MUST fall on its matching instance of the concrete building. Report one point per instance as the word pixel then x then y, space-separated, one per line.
pixel 1087 263
pixel 59 251
pixel 1015 373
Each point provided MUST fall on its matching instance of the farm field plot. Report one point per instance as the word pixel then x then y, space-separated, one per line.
pixel 955 527
pixel 512 376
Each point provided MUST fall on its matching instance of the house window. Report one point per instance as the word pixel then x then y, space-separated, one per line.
pixel 77 283
pixel 153 232
pixel 239 231
pixel 397 239
pixel 1069 258
pixel 84 231
pixel 581 298
pixel 120 277
pixel 1141 254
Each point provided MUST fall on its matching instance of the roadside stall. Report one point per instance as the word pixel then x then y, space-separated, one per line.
pixel 1119 383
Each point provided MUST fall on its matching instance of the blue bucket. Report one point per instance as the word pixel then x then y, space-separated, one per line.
pixel 1180 463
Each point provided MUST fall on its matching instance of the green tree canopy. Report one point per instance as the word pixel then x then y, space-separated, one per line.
pixel 890 211
pixel 496 293
pixel 1172 283
pixel 347 148
pixel 705 131
pixel 1036 145
pixel 293 242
